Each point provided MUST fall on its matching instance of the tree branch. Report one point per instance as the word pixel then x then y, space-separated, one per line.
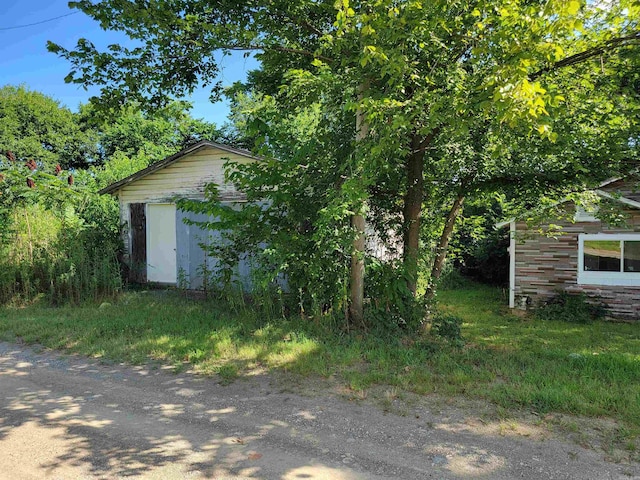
pixel 306 25
pixel 612 44
pixel 428 139
pixel 298 21
pixel 278 48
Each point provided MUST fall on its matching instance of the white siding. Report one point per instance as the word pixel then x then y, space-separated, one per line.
pixel 187 177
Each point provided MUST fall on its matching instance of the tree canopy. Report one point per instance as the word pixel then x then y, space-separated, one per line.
pixel 440 97
pixel 54 157
pixel 34 126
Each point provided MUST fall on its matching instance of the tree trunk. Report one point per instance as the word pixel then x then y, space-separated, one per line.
pixel 443 245
pixel 411 212
pixel 358 222
pixel 356 304
pixel 412 208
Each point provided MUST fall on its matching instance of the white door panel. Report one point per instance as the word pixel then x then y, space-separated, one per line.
pixel 161 243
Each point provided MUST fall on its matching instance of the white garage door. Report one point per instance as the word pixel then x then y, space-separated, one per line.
pixel 161 243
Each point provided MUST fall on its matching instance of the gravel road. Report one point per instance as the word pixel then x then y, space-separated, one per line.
pixel 67 417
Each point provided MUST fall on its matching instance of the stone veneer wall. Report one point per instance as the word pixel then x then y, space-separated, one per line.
pixel 546 265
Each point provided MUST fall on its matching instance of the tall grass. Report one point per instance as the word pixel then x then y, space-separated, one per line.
pixel 515 363
pixel 57 257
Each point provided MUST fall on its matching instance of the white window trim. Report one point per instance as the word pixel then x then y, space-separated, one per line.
pixel 512 264
pixel 625 279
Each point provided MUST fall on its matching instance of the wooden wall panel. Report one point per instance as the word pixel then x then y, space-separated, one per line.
pixel 138 263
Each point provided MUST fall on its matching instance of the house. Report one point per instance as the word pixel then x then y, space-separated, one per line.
pixel 590 256
pixel 159 247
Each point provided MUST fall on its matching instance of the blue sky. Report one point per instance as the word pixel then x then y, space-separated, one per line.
pixel 24 58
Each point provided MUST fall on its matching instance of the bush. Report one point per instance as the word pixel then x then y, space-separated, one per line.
pixel 58 257
pixel 487 260
pixel 447 327
pixel 451 278
pixel 392 307
pixel 575 308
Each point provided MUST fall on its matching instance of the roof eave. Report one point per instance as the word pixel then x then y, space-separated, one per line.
pixel 114 187
pixel 623 200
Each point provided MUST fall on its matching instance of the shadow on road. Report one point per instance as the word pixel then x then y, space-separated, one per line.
pixel 67 417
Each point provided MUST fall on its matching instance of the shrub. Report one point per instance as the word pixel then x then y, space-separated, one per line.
pixel 447 327
pixel 59 257
pixel 392 307
pixel 451 278
pixel 487 260
pixel 576 308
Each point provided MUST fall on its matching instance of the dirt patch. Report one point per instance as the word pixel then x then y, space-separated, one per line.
pixel 607 437
pixel 118 421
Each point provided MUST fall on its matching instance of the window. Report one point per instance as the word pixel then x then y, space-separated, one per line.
pixel 609 259
pixel 602 255
pixel 582 215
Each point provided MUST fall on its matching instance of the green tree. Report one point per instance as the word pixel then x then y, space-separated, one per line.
pixel 416 74
pixel 41 144
pixel 131 139
pixel 296 200
pixel 133 132
pixel 34 126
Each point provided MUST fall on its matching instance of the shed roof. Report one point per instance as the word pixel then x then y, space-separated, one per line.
pixel 154 167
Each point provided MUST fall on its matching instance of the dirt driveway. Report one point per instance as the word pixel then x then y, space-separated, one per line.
pixel 71 418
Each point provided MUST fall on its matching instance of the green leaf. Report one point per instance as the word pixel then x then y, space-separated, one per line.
pixel 573 7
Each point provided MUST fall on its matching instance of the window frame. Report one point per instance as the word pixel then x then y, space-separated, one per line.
pixel 621 278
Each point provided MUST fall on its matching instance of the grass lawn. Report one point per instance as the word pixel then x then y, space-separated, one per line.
pixel 542 366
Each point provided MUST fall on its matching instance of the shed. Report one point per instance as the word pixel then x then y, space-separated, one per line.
pixel 589 257
pixel 159 247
